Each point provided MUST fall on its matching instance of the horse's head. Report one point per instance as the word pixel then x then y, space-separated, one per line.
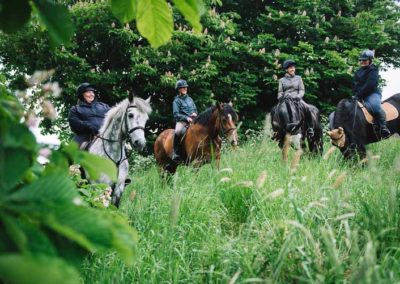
pixel 136 117
pixel 228 119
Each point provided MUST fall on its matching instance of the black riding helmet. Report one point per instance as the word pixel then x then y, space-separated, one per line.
pixel 366 55
pixel 181 84
pixel 84 87
pixel 288 63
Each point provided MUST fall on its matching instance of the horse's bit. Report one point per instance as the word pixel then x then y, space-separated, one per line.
pixel 128 131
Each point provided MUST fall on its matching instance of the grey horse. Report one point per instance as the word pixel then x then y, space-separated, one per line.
pixel 124 121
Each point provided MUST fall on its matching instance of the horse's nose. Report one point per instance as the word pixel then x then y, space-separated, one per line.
pixel 139 144
pixel 234 143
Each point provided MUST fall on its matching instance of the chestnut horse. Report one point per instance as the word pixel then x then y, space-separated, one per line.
pixel 202 140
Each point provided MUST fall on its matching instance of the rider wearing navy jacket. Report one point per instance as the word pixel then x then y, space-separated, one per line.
pixel 365 88
pixel 86 118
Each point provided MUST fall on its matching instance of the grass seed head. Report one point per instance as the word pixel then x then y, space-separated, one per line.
pixel 329 153
pixel 339 181
pixel 261 179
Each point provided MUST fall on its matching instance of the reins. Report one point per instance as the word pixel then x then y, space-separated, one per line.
pixel 121 140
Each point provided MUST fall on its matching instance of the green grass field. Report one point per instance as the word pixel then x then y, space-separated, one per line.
pixel 259 220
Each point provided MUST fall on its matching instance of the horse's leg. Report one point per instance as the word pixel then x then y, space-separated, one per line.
pixel 120 185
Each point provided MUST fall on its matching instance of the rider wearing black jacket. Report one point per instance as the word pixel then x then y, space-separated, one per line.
pixel 365 88
pixel 86 118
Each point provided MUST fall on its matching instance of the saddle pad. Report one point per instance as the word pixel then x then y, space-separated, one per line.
pixel 391 112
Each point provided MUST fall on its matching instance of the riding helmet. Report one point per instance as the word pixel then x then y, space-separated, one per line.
pixel 288 63
pixel 181 84
pixel 366 55
pixel 84 87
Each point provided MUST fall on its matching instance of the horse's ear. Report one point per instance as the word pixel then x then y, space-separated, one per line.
pixel 340 130
pixel 220 106
pixel 130 96
pixel 148 100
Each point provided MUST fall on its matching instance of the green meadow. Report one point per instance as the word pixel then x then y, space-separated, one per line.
pixel 261 220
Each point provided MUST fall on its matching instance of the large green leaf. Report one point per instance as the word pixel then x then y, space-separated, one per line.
pixel 14 164
pixel 21 269
pixel 192 11
pixel 14 14
pixel 96 166
pixel 17 149
pixel 154 21
pixel 57 21
pixel 124 10
pixel 27 236
pixel 51 189
pixel 93 229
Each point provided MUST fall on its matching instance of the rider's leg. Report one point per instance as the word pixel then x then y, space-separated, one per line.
pixel 308 118
pixel 176 155
pixel 373 102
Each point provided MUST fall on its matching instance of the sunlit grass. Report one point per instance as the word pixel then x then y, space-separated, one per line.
pixel 260 219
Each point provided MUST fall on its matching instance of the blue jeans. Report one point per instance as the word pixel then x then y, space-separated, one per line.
pixel 373 105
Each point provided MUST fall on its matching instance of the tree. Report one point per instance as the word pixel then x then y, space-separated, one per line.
pixel 237 57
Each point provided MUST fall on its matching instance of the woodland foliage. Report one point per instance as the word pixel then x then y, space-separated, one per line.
pixel 237 56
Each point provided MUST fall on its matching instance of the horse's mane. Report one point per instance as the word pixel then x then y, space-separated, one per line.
pixel 204 117
pixel 344 113
pixel 142 105
pixel 118 111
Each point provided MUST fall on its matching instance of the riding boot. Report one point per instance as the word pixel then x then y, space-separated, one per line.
pixel 383 129
pixel 176 154
pixel 309 122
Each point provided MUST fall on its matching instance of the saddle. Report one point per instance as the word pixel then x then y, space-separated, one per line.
pixel 390 110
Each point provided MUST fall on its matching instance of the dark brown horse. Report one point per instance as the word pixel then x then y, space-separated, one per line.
pixel 202 141
pixel 351 130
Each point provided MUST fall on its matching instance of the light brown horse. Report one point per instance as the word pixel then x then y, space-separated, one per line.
pixel 202 141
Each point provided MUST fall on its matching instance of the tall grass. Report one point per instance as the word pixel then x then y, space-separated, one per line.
pixel 259 219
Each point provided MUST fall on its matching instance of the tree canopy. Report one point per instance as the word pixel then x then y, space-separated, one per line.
pixel 237 56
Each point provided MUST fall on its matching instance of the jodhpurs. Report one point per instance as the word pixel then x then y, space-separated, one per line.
pixel 179 126
pixel 373 104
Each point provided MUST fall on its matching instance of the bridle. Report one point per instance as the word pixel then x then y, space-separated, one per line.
pixel 123 138
pixel 224 131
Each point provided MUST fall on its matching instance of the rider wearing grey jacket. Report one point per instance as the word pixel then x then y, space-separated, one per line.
pixel 184 111
pixel 292 86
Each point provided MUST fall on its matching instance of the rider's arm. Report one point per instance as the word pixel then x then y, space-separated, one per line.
pixel 176 111
pixel 77 125
pixel 370 85
pixel 301 89
pixel 280 90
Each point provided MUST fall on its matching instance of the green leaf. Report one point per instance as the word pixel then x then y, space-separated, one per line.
pixel 23 269
pixel 96 165
pixel 14 232
pixel 154 21
pixel 192 11
pixel 124 10
pixel 14 14
pixel 17 149
pixel 13 166
pixel 54 189
pixel 57 21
